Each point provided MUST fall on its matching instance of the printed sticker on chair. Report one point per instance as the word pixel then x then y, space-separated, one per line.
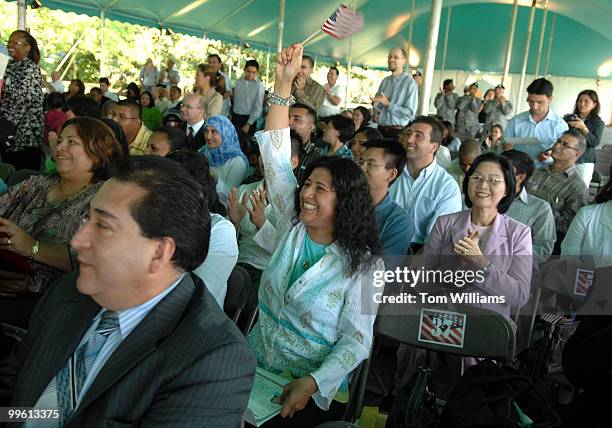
pixel 584 280
pixel 442 327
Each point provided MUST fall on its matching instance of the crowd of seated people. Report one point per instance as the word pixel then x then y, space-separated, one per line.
pixel 162 192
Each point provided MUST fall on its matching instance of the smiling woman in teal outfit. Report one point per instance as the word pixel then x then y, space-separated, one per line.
pixel 315 295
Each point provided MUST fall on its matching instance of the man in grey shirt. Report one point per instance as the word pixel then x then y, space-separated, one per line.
pixel 248 97
pixel 446 101
pixel 498 110
pixel 397 97
pixel 468 107
pixel 529 209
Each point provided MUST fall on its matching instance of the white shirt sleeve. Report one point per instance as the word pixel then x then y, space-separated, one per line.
pixel 221 259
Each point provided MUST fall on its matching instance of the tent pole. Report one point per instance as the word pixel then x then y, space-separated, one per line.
pixel 510 42
pixel 541 43
pixel 526 55
pixel 410 27
pixel 448 21
pixel 281 25
pixel 268 67
pixel 102 48
pixel 430 57
pixel 550 42
pixel 21 15
pixel 349 61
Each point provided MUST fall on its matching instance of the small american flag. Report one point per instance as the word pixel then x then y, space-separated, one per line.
pixel 343 23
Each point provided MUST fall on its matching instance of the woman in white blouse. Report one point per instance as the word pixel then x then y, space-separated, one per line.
pixel 316 306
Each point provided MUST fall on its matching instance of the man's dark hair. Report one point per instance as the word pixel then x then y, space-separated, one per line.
pixel 394 149
pixel 447 82
pixel 83 105
pixel 174 206
pixel 132 105
pixel 344 126
pixel 311 112
pixel 104 80
pixel 177 88
pixel 95 90
pixel 436 127
pixel 582 143
pixel 176 137
pixel 333 67
pixel 251 63
pixel 508 172
pixel 309 59
pixel 605 193
pixel 522 162
pixel 197 165
pixel 56 100
pixel 540 86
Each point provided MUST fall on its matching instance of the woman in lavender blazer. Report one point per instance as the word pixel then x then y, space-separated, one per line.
pixel 485 239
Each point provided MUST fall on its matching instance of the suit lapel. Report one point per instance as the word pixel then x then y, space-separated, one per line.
pixel 159 323
pixel 73 315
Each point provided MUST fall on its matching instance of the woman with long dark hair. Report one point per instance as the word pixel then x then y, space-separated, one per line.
pixel 361 118
pixel 21 104
pixel 585 118
pixel 316 311
pixel 150 115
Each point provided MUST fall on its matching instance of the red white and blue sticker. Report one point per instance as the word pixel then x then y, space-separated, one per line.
pixel 584 281
pixel 442 327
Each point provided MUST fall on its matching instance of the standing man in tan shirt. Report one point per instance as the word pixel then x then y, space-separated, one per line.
pixel 305 90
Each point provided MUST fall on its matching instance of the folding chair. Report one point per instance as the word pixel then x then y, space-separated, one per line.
pixel 6 170
pixel 238 285
pixel 486 333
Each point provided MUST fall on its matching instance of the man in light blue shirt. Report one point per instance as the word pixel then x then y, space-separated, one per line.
pixel 424 189
pixel 538 122
pixel 398 96
pixel 382 161
pixel 248 97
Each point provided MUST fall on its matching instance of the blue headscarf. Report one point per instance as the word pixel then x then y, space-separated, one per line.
pixel 230 146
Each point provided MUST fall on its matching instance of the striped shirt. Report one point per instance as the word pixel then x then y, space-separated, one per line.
pixel 564 191
pixel 537 214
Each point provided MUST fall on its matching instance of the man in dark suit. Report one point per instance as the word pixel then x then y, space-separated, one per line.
pixel 192 112
pixel 133 338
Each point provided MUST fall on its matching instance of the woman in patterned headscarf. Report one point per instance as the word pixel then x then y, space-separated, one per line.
pixel 227 161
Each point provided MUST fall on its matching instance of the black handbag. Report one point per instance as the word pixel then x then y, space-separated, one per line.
pixel 415 404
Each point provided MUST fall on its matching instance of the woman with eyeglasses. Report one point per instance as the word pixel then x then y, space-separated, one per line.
pixel 484 238
pixel 21 104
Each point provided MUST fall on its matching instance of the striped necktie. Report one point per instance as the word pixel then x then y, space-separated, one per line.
pixel 72 377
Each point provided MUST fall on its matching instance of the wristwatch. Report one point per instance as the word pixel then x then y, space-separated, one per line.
pixel 278 100
pixel 35 250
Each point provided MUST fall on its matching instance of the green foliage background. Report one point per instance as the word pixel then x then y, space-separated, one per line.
pixel 127 47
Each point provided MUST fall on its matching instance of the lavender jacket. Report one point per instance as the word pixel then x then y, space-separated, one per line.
pixel 508 247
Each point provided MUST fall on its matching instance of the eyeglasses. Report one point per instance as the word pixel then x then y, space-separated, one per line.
pixel 493 180
pixel 122 117
pixel 369 164
pixel 565 145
